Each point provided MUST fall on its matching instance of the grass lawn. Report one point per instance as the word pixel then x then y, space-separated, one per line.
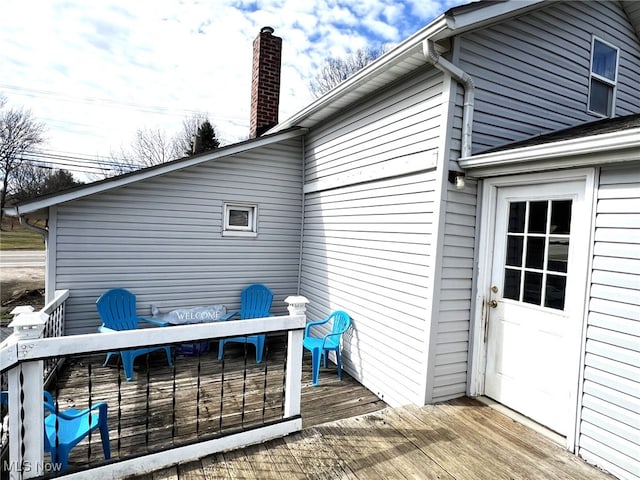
pixel 15 237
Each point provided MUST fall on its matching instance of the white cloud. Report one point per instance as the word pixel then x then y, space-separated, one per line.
pixel 93 70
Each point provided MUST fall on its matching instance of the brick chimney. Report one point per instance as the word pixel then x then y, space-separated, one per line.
pixel 265 82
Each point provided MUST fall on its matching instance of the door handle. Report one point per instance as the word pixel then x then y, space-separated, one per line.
pixel 493 303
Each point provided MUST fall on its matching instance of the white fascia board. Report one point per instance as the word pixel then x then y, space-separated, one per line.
pixel 371 71
pixel 489 13
pixel 622 146
pixel 126 179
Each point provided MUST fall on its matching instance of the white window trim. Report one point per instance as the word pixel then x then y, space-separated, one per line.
pixel 239 231
pixel 612 83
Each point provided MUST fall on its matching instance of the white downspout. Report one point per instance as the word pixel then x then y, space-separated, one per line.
pixel 430 54
pixel 302 220
pixel 25 223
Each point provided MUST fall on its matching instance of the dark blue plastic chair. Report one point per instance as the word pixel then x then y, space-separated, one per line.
pixel 255 302
pixel 323 345
pixel 117 309
pixel 64 430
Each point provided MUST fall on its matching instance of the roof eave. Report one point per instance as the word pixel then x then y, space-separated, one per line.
pixel 453 22
pixel 371 71
pixel 595 150
pixel 38 205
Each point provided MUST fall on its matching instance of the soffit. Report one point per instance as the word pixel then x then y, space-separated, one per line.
pixel 632 7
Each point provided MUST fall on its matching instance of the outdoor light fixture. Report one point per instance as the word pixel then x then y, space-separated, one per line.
pixel 457 178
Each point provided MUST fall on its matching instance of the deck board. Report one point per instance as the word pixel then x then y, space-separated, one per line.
pixel 348 433
pixel 460 439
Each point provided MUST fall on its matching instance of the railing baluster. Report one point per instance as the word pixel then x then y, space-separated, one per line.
pixel 23 430
pixel 284 378
pixel 198 369
pixel 119 404
pixel 244 385
pixel 90 388
pixel 266 369
pixel 147 404
pixel 221 394
pixel 173 401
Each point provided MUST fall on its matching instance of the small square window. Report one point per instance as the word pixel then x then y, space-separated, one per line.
pixel 240 220
pixel 603 78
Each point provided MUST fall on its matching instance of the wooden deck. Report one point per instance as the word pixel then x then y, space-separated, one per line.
pixel 198 397
pixel 457 440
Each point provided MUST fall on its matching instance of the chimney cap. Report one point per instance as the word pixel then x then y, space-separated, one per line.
pixel 267 30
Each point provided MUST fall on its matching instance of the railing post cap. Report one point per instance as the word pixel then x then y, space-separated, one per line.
pixel 21 309
pixel 297 304
pixel 29 325
pixel 291 299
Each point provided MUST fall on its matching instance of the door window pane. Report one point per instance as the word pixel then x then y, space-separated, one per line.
pixel 532 288
pixel 560 217
pixel 555 292
pixel 539 232
pixel 535 252
pixel 517 212
pixel 514 251
pixel 511 284
pixel 558 254
pixel 538 217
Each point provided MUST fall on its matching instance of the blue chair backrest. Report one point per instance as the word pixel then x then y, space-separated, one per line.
pixel 117 309
pixel 341 322
pixel 255 301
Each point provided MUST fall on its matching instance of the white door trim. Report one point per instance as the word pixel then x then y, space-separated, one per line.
pixel 487 207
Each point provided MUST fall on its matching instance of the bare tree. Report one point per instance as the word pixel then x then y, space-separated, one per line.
pixel 152 147
pixel 20 133
pixel 149 147
pixel 32 181
pixel 334 71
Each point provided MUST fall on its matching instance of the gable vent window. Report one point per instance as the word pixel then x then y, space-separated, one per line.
pixel 240 220
pixel 604 74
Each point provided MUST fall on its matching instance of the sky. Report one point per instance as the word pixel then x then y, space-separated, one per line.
pixel 96 71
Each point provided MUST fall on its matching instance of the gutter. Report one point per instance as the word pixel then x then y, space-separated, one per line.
pixel 370 72
pixel 589 151
pixel 432 57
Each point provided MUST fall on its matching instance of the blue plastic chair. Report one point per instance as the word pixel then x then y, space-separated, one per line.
pixel 329 342
pixel 64 430
pixel 255 302
pixel 117 309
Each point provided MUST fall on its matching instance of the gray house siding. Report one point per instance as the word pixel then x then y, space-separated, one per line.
pixel 370 211
pixel 455 293
pixel 162 237
pixel 523 87
pixel 610 413
pixel 532 73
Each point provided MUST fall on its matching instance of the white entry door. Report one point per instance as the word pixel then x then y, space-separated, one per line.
pixel 536 280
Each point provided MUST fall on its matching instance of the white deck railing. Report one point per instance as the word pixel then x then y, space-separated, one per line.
pixel 23 360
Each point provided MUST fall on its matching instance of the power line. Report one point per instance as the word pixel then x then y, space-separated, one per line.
pixel 97 100
pixel 145 108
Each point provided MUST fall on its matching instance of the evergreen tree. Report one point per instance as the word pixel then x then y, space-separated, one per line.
pixel 205 139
